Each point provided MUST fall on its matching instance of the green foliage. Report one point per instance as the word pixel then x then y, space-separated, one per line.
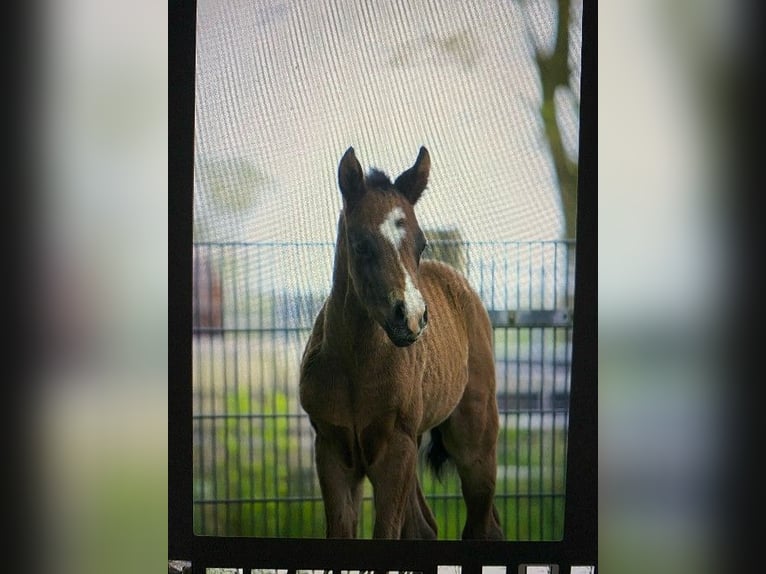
pixel 230 183
pixel 459 47
pixel 224 188
pixel 256 465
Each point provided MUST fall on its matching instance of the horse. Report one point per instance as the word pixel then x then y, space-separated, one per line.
pixel 401 347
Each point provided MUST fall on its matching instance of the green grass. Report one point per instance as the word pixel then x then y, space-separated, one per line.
pixel 519 341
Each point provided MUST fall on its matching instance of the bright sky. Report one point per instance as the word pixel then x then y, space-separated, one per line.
pixel 289 86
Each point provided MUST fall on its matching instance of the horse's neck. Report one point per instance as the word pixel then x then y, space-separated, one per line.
pixel 346 318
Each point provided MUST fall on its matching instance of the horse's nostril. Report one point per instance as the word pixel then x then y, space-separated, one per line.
pixel 399 314
pixel 424 319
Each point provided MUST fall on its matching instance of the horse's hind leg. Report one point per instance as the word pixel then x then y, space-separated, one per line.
pixel 475 459
pixel 470 438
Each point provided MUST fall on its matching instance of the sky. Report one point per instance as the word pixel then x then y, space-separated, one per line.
pixel 283 89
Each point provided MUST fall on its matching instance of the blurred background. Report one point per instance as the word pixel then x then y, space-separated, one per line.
pixel 665 283
pixel 99 412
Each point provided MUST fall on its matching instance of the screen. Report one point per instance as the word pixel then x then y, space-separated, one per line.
pixel 282 90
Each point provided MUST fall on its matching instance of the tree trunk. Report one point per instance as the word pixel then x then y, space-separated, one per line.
pixel 554 74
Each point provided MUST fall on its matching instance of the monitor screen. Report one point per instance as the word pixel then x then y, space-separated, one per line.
pixel 384 259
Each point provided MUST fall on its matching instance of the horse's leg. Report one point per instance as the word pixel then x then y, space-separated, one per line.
pixel 476 464
pixel 419 521
pixel 339 480
pixel 391 456
pixel 470 437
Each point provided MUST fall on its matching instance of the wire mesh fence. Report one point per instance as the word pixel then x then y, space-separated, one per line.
pixel 254 306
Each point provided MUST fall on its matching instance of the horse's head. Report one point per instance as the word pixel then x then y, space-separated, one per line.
pixel 384 243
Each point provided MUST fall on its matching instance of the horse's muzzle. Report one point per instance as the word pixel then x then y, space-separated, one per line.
pixel 403 341
pixel 401 336
pixel 398 329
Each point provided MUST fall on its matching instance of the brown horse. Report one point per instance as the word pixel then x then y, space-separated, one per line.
pixel 400 347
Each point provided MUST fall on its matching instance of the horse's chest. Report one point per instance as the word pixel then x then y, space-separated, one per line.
pixel 350 397
pixel 326 398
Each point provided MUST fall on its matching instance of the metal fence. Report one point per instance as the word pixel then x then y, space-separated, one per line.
pixel 254 305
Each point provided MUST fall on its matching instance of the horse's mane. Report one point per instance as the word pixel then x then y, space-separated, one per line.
pixel 378 180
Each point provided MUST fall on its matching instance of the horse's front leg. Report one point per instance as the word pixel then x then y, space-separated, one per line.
pixel 392 474
pixel 339 479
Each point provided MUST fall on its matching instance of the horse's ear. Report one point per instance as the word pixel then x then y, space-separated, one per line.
pixel 350 178
pixel 412 182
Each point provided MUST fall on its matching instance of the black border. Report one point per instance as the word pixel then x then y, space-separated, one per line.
pixel 181 71
pixel 579 545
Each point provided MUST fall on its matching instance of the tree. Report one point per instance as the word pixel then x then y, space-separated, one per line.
pixel 556 75
pixel 226 194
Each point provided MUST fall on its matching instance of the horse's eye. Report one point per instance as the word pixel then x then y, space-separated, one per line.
pixel 422 248
pixel 363 249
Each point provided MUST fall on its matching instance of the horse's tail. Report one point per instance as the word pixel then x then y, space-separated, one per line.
pixel 436 455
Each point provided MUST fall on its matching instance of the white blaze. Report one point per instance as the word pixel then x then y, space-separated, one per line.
pixel 391 231
pixel 413 300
